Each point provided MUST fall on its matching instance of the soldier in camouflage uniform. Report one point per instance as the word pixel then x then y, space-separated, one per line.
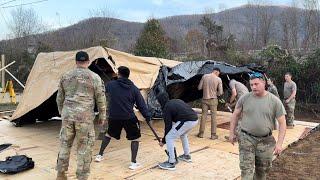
pixel 79 90
pixel 272 88
pixel 259 109
pixel 289 94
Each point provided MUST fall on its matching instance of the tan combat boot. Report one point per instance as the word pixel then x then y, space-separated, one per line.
pixel 214 136
pixel 61 176
pixel 200 135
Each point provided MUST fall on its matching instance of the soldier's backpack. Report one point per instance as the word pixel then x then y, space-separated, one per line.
pixel 15 164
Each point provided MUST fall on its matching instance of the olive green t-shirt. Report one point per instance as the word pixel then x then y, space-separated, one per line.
pixel 288 89
pixel 259 113
pixel 240 88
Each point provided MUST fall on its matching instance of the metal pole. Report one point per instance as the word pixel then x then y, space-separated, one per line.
pixel 3 73
pixel 14 78
pixel 0 72
pixel 7 65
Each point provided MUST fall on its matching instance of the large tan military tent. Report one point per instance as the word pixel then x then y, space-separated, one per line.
pixel 42 83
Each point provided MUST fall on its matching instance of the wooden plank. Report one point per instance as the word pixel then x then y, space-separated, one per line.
pixel 8 111
pixel 207 164
pixel 307 124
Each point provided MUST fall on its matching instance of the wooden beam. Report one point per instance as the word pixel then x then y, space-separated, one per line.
pixel 3 73
pixel 20 83
pixel 4 67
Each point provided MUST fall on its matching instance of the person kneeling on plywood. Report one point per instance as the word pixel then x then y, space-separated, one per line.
pixel 179 119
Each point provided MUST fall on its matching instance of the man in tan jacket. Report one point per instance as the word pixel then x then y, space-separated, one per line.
pixel 211 85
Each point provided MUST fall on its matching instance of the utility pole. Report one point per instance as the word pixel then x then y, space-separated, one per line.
pixel 3 82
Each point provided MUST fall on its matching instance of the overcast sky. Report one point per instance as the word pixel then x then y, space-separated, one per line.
pixel 60 13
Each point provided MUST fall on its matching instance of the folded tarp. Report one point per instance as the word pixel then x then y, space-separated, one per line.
pixel 181 81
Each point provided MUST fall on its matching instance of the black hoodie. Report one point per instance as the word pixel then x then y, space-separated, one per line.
pixel 123 95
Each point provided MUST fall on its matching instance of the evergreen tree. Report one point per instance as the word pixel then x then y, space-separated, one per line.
pixel 152 41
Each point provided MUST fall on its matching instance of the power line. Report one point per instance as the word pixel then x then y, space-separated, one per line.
pixel 4 7
pixel 7 2
pixel 4 19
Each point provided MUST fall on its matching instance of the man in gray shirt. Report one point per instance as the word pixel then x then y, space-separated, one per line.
pixel 237 90
pixel 289 95
pixel 259 110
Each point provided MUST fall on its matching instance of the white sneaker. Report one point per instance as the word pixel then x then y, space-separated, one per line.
pixel 134 166
pixel 98 158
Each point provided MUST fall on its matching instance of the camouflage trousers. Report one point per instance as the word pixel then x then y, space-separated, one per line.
pixel 290 111
pixel 85 136
pixel 255 156
pixel 211 104
pixel 233 104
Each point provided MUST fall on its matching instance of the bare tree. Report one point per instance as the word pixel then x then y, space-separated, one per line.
pixel 94 31
pixel 294 23
pixel 195 43
pixel 102 34
pixel 266 19
pixel 258 23
pixel 311 26
pixel 290 26
pixel 250 25
pixel 226 19
pixel 25 22
pixel 284 22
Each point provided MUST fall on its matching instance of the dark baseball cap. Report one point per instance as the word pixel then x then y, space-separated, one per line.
pixel 82 56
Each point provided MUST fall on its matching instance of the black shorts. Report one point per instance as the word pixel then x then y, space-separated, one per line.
pixel 131 126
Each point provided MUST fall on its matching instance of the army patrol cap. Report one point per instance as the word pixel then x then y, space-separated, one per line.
pixel 82 56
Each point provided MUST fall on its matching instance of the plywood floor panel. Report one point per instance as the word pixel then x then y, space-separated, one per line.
pixel 216 159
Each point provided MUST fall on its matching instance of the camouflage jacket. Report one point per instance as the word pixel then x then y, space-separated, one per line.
pixel 79 90
pixel 273 89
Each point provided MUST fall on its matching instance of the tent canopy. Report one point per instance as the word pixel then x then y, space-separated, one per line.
pixel 43 80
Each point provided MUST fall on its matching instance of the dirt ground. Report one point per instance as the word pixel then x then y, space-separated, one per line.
pixel 307 116
pixel 301 159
